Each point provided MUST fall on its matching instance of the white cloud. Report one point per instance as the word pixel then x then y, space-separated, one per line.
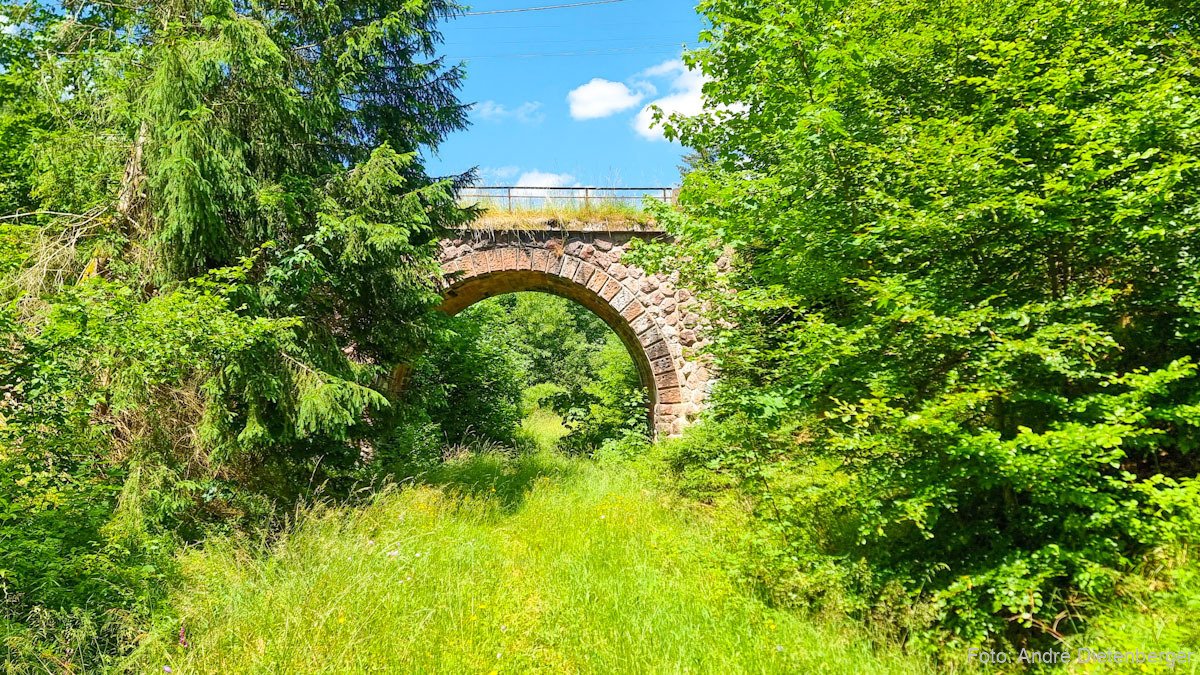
pixel 498 173
pixel 490 110
pixel 544 179
pixel 526 113
pixel 669 67
pixel 601 98
pixel 685 97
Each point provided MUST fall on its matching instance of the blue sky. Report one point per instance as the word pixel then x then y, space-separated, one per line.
pixel 560 94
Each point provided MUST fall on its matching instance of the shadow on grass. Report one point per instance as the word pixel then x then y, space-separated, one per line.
pixel 497 476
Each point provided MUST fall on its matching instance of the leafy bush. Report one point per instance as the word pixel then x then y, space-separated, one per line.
pixel 609 406
pixel 469 379
pixel 562 358
pixel 962 273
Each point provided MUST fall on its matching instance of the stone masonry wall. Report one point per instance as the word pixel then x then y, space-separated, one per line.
pixel 656 317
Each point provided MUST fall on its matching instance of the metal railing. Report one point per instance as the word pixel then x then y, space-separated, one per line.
pixel 514 197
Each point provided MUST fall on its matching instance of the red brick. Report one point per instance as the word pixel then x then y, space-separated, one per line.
pixel 633 311
pixel 622 299
pixel 610 289
pixel 599 279
pixel 642 324
pixel 584 273
pixel 658 349
pixel 490 261
pixel 470 265
pixel 669 395
pixel 662 365
pixel 508 259
pixel 568 268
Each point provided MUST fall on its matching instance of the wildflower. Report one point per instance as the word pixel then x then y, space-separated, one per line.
pixel 393 554
pixel 778 648
pixel 167 669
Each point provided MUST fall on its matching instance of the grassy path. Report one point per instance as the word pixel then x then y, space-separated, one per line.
pixel 536 564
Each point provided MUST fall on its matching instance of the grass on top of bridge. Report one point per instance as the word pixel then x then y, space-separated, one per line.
pixel 529 215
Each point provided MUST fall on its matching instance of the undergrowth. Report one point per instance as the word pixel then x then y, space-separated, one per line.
pixel 495 564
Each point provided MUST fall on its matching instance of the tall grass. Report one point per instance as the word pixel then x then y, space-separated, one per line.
pixel 543 429
pixel 536 563
pixel 570 215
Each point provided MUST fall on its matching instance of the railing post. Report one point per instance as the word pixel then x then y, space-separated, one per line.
pixel 587 198
pixel 508 191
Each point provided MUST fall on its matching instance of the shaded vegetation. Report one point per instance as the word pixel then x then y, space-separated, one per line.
pixel 508 357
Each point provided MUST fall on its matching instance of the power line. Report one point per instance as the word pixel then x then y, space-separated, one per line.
pixel 541 9
pixel 644 49
pixel 450 46
pixel 627 24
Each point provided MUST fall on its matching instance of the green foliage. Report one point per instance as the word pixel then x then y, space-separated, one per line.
pixel 564 359
pixel 611 405
pixel 470 380
pixel 962 272
pixel 93 390
pixel 232 244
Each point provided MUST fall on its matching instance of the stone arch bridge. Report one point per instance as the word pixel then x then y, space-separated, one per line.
pixel 656 317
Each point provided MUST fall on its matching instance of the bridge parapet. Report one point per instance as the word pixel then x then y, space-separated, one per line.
pixel 656 317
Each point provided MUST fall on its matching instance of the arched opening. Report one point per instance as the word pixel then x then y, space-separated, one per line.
pixel 471 290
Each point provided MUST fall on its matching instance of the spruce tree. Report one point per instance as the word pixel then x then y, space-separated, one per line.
pixel 265 152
